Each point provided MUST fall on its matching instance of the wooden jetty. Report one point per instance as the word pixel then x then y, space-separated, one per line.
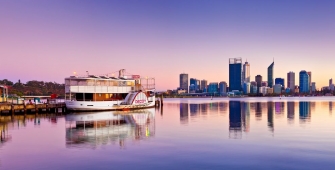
pixel 32 108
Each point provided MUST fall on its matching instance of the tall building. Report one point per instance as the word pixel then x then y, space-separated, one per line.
pixel 246 72
pixel 310 78
pixel 213 88
pixel 304 82
pixel 194 85
pixel 280 81
pixel 223 87
pixel 183 81
pixel 258 79
pixel 246 87
pixel 235 74
pixel 264 83
pixel 253 87
pixel 330 82
pixel 277 88
pixel 313 87
pixel 291 80
pixel 203 85
pixel 270 75
pixel 198 84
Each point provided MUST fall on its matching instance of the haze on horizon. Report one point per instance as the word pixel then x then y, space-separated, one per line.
pixel 49 40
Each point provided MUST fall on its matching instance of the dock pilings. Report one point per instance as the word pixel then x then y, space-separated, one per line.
pixel 32 108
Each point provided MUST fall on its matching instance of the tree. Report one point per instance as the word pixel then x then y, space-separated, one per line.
pixel 6 82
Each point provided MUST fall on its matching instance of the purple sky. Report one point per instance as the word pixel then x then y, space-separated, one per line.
pixel 49 40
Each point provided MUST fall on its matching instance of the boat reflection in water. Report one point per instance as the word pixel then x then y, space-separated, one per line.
pixel 92 129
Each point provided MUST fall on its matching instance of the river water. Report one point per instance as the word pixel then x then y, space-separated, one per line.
pixel 218 133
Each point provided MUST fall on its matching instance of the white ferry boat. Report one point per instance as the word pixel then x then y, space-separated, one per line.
pixel 94 93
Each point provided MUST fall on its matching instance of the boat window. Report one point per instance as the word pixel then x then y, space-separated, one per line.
pixel 122 83
pixel 74 82
pixel 130 83
pixel 103 82
pixel 82 83
pixel 113 83
pixel 67 82
pixel 90 82
pixel 97 83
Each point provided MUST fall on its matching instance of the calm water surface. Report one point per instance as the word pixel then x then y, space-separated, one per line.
pixel 249 133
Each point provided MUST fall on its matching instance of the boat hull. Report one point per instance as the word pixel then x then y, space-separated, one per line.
pixel 103 105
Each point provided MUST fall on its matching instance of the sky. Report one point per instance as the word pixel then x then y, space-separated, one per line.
pixel 49 40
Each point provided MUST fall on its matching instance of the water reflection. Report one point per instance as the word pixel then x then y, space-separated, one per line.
pixel 270 116
pixel 330 107
pixel 245 107
pixel 194 109
pixel 304 111
pixel 241 111
pixel 94 129
pixel 290 111
pixel 235 125
pixel 204 108
pixel 183 113
pixel 258 110
pixel 9 122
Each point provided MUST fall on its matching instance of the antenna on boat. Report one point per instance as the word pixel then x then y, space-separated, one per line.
pixel 87 73
pixel 121 72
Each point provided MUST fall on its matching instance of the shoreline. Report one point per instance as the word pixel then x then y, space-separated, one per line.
pixel 244 97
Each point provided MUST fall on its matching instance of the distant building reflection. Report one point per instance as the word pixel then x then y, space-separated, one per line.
pixel 290 111
pixel 270 116
pixel 194 109
pixel 235 120
pixel 214 108
pixel 258 111
pixel 279 106
pixel 223 106
pixel 204 108
pixel 312 106
pixel 304 111
pixel 330 107
pixel 89 130
pixel 245 116
pixel 183 110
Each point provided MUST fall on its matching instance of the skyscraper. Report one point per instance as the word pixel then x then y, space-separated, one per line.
pixel 246 87
pixel 304 82
pixel 246 72
pixel 258 79
pixel 193 85
pixel 291 80
pixel 213 88
pixel 313 87
pixel 280 81
pixel 203 85
pixel 235 74
pixel 310 80
pixel 270 75
pixel 198 84
pixel 183 81
pixel 330 82
pixel 223 87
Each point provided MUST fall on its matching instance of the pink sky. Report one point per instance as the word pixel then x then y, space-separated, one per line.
pixel 49 41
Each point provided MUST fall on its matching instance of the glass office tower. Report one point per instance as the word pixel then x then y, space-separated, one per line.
pixel 235 74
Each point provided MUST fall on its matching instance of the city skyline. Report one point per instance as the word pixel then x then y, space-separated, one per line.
pixel 45 40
